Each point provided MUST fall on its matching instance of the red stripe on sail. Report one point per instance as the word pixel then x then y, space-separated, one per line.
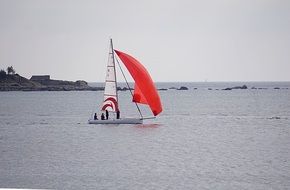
pixel 145 91
pixel 112 103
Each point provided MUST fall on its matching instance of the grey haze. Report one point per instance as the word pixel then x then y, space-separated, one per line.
pixel 188 40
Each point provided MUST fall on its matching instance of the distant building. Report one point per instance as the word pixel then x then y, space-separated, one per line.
pixel 38 78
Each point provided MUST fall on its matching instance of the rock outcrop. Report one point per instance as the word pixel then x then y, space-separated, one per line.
pixel 183 88
pixel 17 82
pixel 236 87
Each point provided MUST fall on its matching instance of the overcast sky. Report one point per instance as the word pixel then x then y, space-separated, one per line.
pixel 176 40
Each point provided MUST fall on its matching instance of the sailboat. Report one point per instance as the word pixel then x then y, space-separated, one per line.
pixel 144 89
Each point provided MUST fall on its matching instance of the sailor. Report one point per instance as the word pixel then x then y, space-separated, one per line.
pixel 102 116
pixel 95 116
pixel 107 115
pixel 118 114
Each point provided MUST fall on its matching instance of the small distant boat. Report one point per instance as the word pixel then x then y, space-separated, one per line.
pixel 144 89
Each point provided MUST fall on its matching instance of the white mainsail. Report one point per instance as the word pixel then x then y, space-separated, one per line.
pixel 110 95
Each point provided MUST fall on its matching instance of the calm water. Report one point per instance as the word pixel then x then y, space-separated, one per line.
pixel 204 139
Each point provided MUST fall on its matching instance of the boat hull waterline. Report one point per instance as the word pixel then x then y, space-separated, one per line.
pixel 117 121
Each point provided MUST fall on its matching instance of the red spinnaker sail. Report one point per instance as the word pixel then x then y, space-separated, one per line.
pixel 145 91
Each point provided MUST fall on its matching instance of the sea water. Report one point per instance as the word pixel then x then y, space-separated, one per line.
pixel 206 138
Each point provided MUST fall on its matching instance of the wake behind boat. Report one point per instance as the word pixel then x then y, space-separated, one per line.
pixel 144 90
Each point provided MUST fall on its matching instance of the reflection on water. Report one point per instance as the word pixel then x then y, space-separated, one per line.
pixel 147 125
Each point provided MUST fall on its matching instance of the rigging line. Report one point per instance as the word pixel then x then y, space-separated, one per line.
pixel 128 86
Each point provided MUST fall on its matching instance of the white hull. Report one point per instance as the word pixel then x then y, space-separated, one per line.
pixel 117 121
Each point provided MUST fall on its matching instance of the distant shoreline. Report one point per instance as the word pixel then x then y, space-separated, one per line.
pixel 15 82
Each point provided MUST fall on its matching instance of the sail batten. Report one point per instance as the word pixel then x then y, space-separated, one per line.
pixel 145 91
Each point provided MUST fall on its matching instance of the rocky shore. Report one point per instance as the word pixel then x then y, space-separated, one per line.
pixel 15 82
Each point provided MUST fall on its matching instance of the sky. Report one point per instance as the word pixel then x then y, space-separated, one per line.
pixel 176 40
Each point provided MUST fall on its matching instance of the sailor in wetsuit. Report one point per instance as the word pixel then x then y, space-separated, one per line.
pixel 102 116
pixel 95 116
pixel 118 114
pixel 107 115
